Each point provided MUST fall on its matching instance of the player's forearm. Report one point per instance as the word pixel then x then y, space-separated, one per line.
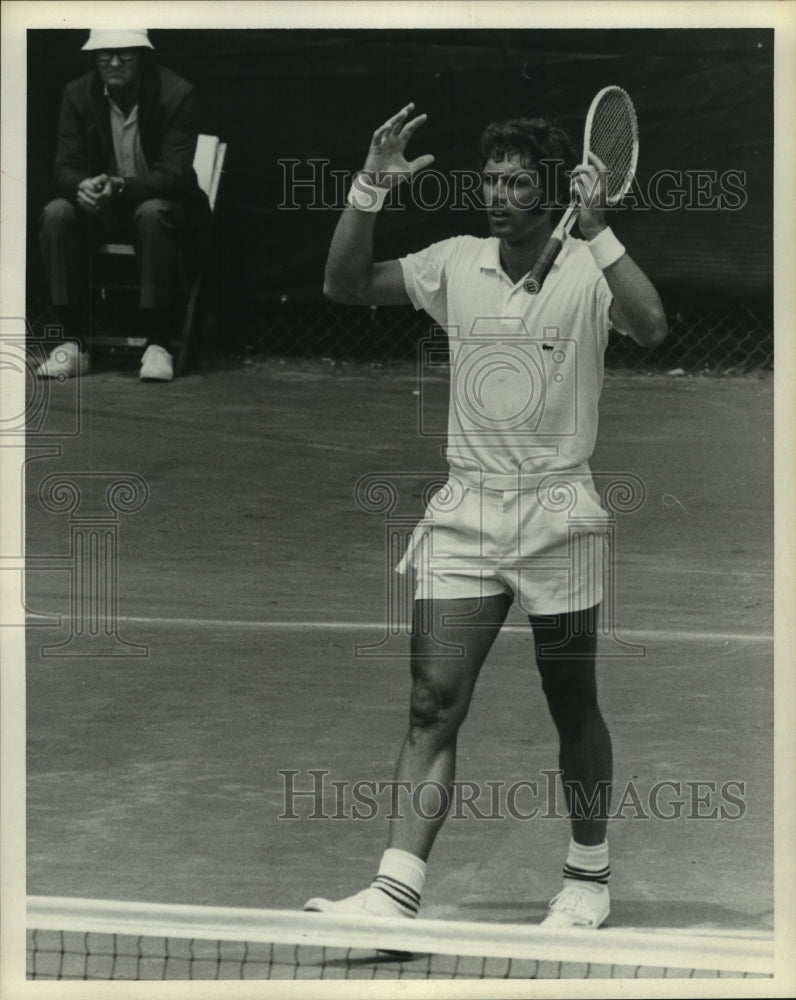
pixel 639 305
pixel 349 266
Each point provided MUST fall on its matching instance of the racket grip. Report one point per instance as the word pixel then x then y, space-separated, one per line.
pixel 533 283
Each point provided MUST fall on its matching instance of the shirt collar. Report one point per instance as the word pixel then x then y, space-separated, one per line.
pixel 489 257
pixel 132 117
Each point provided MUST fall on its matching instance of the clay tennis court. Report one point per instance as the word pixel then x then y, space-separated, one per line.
pixel 251 574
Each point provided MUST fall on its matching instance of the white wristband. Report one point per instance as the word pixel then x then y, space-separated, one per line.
pixel 366 196
pixel 606 249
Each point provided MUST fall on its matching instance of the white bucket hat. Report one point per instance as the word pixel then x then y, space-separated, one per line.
pixel 100 38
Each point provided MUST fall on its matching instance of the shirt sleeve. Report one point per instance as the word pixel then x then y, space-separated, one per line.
pixel 603 299
pixel 426 278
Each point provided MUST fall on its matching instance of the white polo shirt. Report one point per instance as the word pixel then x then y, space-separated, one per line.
pixel 526 370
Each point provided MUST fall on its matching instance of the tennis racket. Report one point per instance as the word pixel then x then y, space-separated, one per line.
pixel 611 133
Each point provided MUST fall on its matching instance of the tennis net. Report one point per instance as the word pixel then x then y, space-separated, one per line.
pixel 87 939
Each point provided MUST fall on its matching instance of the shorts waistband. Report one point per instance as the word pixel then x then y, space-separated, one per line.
pixel 516 482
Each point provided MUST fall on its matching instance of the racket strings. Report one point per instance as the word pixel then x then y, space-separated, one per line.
pixel 614 139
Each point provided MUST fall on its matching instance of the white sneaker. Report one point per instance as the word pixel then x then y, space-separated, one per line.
pixel 156 365
pixel 370 901
pixel 65 361
pixel 579 904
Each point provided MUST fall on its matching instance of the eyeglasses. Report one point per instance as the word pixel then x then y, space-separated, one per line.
pixel 123 55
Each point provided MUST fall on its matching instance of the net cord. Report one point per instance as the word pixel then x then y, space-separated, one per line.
pixel 751 953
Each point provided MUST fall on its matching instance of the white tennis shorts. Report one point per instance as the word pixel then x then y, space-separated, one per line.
pixel 543 541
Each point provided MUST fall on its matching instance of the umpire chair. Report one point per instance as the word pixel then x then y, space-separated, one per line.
pixel 114 267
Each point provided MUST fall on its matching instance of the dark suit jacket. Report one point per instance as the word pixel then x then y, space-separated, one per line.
pixel 168 122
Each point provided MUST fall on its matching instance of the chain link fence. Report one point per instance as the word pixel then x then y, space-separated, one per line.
pixel 725 340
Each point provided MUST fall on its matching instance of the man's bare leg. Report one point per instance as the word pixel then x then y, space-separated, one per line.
pixel 566 657
pixel 442 686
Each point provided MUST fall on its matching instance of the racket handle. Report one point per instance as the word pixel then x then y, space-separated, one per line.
pixel 533 283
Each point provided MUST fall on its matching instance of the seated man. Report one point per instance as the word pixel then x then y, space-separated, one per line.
pixel 123 173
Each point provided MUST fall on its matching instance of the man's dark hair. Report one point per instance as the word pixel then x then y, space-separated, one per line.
pixel 539 145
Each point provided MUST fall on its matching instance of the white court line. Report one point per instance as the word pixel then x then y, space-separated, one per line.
pixel 510 627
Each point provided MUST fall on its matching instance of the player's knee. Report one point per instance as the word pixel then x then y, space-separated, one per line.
pixel 433 708
pixel 426 708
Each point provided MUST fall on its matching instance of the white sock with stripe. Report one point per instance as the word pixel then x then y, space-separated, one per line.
pixel 588 863
pixel 401 877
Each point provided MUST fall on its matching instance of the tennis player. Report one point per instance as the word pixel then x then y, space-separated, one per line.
pixel 526 374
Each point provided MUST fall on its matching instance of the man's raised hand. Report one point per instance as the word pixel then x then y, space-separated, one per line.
pixel 589 190
pixel 386 164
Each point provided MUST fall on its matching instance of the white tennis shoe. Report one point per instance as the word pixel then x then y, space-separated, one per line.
pixel 65 361
pixel 156 365
pixel 370 901
pixel 579 904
